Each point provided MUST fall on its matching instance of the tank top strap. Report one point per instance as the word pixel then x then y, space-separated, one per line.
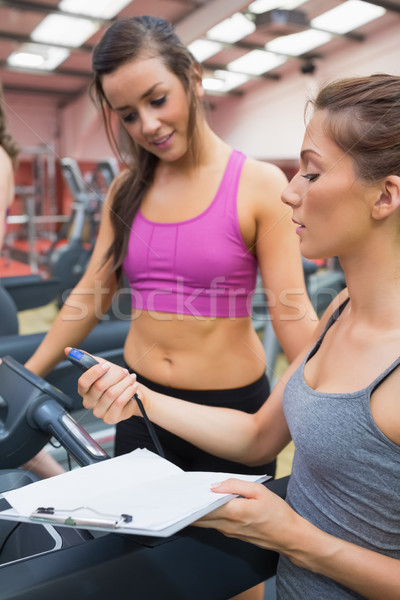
pixel 381 378
pixel 226 196
pixel 332 319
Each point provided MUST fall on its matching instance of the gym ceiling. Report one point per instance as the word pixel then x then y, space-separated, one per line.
pixel 268 21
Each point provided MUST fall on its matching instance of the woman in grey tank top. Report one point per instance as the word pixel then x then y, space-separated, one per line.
pixel 338 532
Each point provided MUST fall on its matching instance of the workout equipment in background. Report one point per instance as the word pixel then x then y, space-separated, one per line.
pixel 30 232
pixel 30 291
pixel 69 260
pixel 60 257
pixel 34 415
pixel 43 562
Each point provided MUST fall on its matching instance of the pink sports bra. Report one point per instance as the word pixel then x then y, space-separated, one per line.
pixel 199 267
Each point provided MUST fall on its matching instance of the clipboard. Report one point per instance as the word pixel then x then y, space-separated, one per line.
pixel 137 493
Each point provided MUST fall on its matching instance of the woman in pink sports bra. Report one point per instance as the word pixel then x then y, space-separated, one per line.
pixel 189 222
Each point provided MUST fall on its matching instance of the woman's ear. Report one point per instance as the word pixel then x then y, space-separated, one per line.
pixel 389 198
pixel 198 80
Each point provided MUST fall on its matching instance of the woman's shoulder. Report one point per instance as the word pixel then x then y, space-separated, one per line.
pixel 263 179
pixel 261 185
pixel 264 172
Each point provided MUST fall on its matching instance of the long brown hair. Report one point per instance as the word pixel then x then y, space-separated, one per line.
pixel 364 121
pixel 124 41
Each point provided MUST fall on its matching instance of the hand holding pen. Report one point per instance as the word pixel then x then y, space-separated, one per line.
pixel 109 390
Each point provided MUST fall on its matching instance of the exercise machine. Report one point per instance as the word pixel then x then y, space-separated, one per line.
pixel 43 562
pixel 31 291
pixel 69 254
pixel 69 260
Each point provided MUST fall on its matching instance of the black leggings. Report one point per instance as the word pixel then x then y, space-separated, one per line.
pixel 132 433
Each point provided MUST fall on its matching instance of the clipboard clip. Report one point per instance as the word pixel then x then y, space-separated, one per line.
pixel 66 517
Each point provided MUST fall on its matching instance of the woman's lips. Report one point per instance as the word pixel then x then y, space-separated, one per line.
pixel 162 141
pixel 300 226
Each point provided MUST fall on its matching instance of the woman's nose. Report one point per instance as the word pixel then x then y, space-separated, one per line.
pixel 150 123
pixel 291 194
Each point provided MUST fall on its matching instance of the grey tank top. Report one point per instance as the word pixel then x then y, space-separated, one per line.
pixel 345 477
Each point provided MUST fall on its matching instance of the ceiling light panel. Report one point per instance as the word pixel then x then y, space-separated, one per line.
pixel 223 81
pixel 260 6
pixel 256 62
pixel 299 43
pixel 203 49
pixel 63 30
pixel 233 29
pixel 213 84
pixel 35 56
pixel 102 9
pixel 348 16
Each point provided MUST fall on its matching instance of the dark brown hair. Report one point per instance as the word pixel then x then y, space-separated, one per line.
pixel 364 121
pixel 124 41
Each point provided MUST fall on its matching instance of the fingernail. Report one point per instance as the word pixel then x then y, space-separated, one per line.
pixel 215 485
pixel 105 365
pixel 133 375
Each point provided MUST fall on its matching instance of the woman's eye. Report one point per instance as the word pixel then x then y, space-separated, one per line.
pixel 131 118
pixel 311 176
pixel 159 101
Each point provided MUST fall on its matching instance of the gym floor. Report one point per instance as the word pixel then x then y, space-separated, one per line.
pixel 40 319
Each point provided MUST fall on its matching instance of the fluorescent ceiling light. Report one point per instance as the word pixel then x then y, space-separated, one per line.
pixel 102 9
pixel 260 6
pixel 211 84
pixel 35 56
pixel 233 29
pixel 68 31
pixel 256 62
pixel 203 49
pixel 223 81
pixel 299 43
pixel 25 59
pixel 348 16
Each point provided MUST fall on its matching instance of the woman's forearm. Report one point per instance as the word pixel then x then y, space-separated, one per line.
pixel 373 575
pixel 230 434
pixel 223 432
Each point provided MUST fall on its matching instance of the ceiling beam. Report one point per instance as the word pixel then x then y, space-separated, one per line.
pixel 23 89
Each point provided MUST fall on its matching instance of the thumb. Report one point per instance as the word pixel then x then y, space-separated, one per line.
pixel 239 487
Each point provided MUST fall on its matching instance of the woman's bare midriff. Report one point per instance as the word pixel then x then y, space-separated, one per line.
pixel 194 353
